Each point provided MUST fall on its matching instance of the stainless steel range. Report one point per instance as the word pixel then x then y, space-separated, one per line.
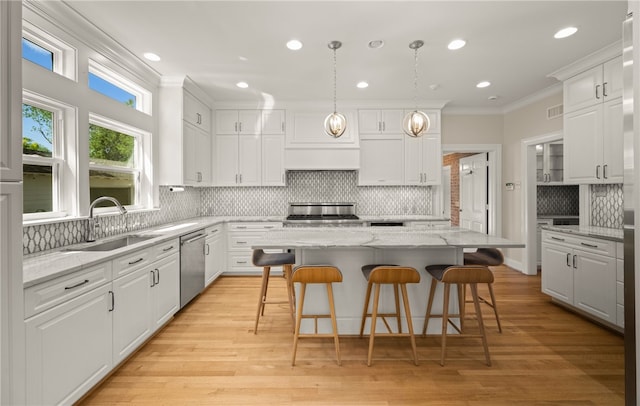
pixel 322 214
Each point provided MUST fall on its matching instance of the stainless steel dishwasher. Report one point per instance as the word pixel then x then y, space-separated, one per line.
pixel 191 266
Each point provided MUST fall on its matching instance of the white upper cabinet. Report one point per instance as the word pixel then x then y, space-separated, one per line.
pixel 244 122
pixel 594 86
pixel 381 162
pixel 196 112
pixel 273 160
pixel 380 122
pixel 273 122
pixel 238 160
pixel 422 160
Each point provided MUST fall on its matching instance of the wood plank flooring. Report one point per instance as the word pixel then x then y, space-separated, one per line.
pixel 208 355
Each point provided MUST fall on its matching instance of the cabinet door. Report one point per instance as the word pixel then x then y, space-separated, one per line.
pixel 413 161
pixel 196 112
pixel 613 145
pixel 190 148
pixel 226 160
pixel 215 258
pixel 132 312
pixel 68 349
pixel 580 90
pixel 557 272
pixel 369 122
pixel 612 85
pixel 226 122
pixel 273 122
pixel 273 160
pixel 432 160
pixel 583 146
pixel 250 164
pixel 381 162
pixel 553 161
pixel 166 289
pixel 203 157
pixel 392 121
pixel 249 122
pixel 595 285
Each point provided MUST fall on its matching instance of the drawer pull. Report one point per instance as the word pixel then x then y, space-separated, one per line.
pixel 213 231
pixel 113 300
pixel 241 242
pixel 588 245
pixel 167 249
pixel 84 282
pixel 268 226
pixel 557 239
pixel 136 261
pixel 241 262
pixel 241 227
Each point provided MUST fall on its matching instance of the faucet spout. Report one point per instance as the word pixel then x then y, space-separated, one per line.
pixel 92 222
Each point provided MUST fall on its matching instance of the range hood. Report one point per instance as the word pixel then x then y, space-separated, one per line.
pixel 322 159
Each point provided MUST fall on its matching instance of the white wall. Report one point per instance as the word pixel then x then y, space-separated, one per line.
pixel 471 129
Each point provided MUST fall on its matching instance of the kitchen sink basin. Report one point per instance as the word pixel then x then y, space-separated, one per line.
pixel 115 244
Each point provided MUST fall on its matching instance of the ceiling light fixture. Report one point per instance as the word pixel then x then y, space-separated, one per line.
pixel 565 32
pixel 294 45
pixel 456 44
pixel 335 123
pixel 151 56
pixel 362 85
pixel 483 84
pixel 375 44
pixel 416 122
pixel 242 85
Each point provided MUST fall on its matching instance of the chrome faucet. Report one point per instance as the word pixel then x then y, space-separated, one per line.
pixel 92 221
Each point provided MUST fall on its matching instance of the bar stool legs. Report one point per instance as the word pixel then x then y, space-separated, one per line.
pixel 266 261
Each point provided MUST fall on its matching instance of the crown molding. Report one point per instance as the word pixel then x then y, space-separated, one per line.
pixel 593 59
pixel 471 111
pixel 532 98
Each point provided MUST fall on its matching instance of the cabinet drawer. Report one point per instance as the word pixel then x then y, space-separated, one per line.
pixel 249 226
pixel 593 245
pixel 620 293
pixel 242 261
pixel 242 241
pixel 213 230
pixel 166 248
pixel 132 261
pixel 48 294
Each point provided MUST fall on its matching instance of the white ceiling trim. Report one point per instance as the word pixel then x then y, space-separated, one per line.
pixel 537 96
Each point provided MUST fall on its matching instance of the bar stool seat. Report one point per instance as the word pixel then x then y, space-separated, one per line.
pixel 266 261
pixel 460 275
pixel 398 276
pixel 323 274
pixel 487 257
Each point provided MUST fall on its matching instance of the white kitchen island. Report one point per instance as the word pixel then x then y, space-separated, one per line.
pixel 351 248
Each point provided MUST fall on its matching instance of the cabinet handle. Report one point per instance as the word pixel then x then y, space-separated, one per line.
pixel 136 261
pixel 241 242
pixel 604 89
pixel 557 238
pixel 597 96
pixel 113 300
pixel 235 127
pixel 215 230
pixel 240 127
pixel 588 245
pixel 384 126
pixel 240 178
pixel 241 262
pixel 158 273
pixel 198 118
pixel 236 178
pixel 575 261
pixel 77 285
pixel 597 171
pixel 153 277
pixel 268 227
pixel 604 171
pixel 208 249
pixel 167 249
pixel 379 126
pixel 568 259
pixel 241 227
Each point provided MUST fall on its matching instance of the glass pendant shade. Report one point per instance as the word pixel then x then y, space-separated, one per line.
pixel 335 124
pixel 415 123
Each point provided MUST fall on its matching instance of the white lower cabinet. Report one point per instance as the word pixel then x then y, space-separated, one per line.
pixel 69 348
pixel 214 254
pixel 240 237
pixel 165 290
pixel 581 272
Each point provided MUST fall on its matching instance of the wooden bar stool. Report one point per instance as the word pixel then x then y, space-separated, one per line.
pixel 266 261
pixel 486 257
pixel 304 275
pixel 398 276
pixel 460 275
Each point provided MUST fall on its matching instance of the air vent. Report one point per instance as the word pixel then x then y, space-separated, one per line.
pixel 555 111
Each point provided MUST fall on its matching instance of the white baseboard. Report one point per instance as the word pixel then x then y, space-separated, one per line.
pixel 517 265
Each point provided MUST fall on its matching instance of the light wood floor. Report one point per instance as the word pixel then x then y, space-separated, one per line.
pixel 208 355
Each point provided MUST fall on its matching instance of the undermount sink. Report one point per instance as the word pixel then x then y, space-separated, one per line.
pixel 115 244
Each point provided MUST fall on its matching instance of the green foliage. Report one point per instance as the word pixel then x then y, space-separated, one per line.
pixel 30 147
pixel 43 120
pixel 106 144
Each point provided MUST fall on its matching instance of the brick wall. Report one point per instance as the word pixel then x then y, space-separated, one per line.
pixel 453 160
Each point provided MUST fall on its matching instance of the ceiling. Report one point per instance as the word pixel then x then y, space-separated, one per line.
pixel 219 43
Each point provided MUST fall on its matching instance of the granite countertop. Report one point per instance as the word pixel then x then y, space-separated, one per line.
pixel 43 266
pixel 329 237
pixel 613 234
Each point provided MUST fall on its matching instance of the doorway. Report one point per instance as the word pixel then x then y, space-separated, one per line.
pixel 473 193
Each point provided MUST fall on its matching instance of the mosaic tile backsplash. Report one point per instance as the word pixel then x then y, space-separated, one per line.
pixel 607 208
pixel 330 186
pixel 558 200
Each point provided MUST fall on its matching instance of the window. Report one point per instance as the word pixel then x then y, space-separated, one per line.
pixel 112 85
pixel 37 54
pixel 115 163
pixel 42 156
pixel 48 51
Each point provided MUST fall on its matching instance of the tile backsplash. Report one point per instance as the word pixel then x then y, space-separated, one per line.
pixel 331 186
pixel 558 200
pixel 607 208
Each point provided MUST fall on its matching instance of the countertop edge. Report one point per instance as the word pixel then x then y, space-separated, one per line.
pixel 588 231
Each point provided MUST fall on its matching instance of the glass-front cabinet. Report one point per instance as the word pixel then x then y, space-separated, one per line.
pixel 549 158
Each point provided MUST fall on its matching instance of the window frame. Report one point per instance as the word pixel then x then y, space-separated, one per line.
pixel 143 96
pixel 64 55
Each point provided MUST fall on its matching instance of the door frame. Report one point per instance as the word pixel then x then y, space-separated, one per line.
pixel 529 198
pixel 485 219
pixel 494 161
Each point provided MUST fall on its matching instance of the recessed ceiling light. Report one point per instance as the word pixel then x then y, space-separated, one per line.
pixel 375 44
pixel 483 84
pixel 242 85
pixel 456 44
pixel 151 56
pixel 565 32
pixel 294 45
pixel 362 85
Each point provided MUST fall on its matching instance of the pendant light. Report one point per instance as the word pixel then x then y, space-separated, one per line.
pixel 415 123
pixel 335 123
